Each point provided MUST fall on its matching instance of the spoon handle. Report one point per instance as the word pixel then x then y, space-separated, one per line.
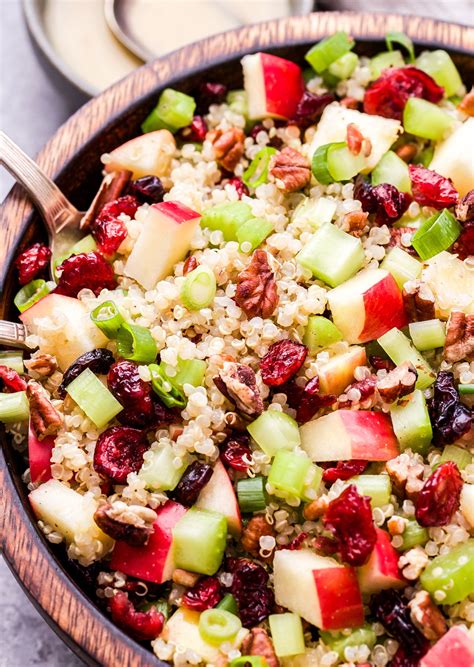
pixel 55 209
pixel 13 334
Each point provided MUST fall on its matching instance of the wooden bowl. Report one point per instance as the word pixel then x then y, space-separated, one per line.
pixel 72 158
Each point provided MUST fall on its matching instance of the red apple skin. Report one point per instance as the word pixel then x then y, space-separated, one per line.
pixel 149 562
pixel 284 85
pixel 39 456
pixel 454 649
pixel 339 598
pixel 384 309
pixel 381 570
pixel 371 434
pixel 176 211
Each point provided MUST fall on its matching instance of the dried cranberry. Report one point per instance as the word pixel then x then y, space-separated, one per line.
pixel 233 451
pixel 404 658
pixel 297 542
pixel 282 361
pixel 326 545
pixel 439 497
pixel 108 232
pixel 132 392
pixel 391 610
pixel 204 595
pixel 127 204
pixel 384 200
pixel 211 93
pixel 310 401
pixel 141 625
pixel 12 382
pixel 388 95
pixel 194 479
pixel 349 518
pixel 32 262
pixel 275 141
pixel 344 470
pixel 119 451
pixel 364 192
pixel 239 185
pixel 379 363
pixel 85 271
pixel 99 361
pixel 196 131
pixel 147 189
pixel 310 107
pixel 464 246
pixel 249 587
pixel 430 188
pixel 365 387
pixel 449 417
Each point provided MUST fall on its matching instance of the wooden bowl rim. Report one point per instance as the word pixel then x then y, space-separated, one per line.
pixel 63 604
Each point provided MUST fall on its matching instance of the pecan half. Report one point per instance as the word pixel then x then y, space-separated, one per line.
pixel 257 642
pixel 419 301
pixel 130 523
pixel 256 287
pixel 467 104
pixel 254 530
pixel 292 169
pixel 427 617
pixel 228 146
pixel 396 234
pixel 45 419
pixel 398 382
pixel 406 476
pixel 356 142
pixel 41 365
pixel 459 342
pixel 190 264
pixel 465 208
pixel 356 221
pixel 185 578
pixel 112 186
pixel 407 152
pixel 239 384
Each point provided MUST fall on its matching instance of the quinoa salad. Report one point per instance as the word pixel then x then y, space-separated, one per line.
pixel 247 413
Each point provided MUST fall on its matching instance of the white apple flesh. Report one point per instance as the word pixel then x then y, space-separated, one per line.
pixel 381 570
pixel 467 503
pixel 164 240
pixel 367 306
pixel 337 373
pixel 219 496
pixel 350 434
pixel 147 155
pixel 453 157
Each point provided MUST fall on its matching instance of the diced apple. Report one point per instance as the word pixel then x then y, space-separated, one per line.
pixel 164 240
pixel 382 132
pixel 78 334
pixel 39 456
pixel 154 561
pixel 335 374
pixel 274 86
pixel 350 434
pixel 219 496
pixel 467 503
pixel 319 589
pixel 453 157
pixel 68 512
pixel 452 283
pixel 456 647
pixel 381 570
pixel 367 306
pixel 147 155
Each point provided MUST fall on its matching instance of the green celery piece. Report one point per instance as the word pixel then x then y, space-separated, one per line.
pixel 343 164
pixel 378 487
pixel 189 371
pixel 392 169
pixel 227 218
pixel 320 332
pixel 328 50
pixel 344 66
pixel 158 470
pixel 173 111
pixel 199 540
pixel 358 637
pixel 287 634
pixel 94 399
pixel 254 231
pixel 383 61
pixel 439 65
pixel 450 578
pixel 411 423
pixel 312 483
pixel 14 407
pixel 237 101
pixel 401 265
pixel 460 456
pixel 399 349
pixel 12 359
pixel 273 431
pixel 425 119
pixel 288 473
pixel 413 535
pixel 228 603
pixel 427 334
pixel 251 494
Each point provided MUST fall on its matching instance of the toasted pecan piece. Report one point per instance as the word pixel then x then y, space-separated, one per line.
pixel 256 528
pixel 239 384
pixel 257 642
pixel 45 419
pixel 419 301
pixel 228 146
pixel 256 290
pixel 292 169
pixel 427 617
pixel 459 343
pixel 398 382
pixel 130 523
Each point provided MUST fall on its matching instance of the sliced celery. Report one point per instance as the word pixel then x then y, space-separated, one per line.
pixel 427 334
pixel 438 233
pixel 392 169
pixel 217 626
pixel 237 101
pixel 288 473
pixel 287 634
pixel 189 371
pixel 173 111
pixel 383 61
pixel 254 232
pixel 425 119
pixel 159 471
pixel 12 359
pixel 335 162
pixel 358 637
pixel 227 218
pixel 439 65
pixel 401 265
pixel 199 541
pixel 322 54
pixel 378 487
pixel 450 578
pixel 332 255
pixel 228 603
pixel 251 494
pixel 93 397
pixel 399 349
pixel 312 483
pixel 344 66
pixel 14 407
pixel 320 332
pixel 199 288
pixel 273 431
pixel 413 535
pixel 411 423
pixel 460 456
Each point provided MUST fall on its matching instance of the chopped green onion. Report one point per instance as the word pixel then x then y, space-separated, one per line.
pixel 199 542
pixel 413 535
pixel 274 430
pixel 439 65
pixel 165 389
pixel 14 407
pixel 385 60
pixel 320 332
pixel 322 54
pixel 392 169
pixel 199 288
pixel 425 119
pixel 392 38
pixel 427 334
pixel 344 66
pixel 314 212
pixel 466 389
pixel 253 232
pixel 458 455
pixel 217 626
pixel 227 218
pixel 246 660
pixel 237 101
pixel 332 255
pixel 411 423
pixel 450 578
pixel 401 265
pixel 288 473
pixel 257 171
pixel 438 233
pixel 287 634
pixel 251 494
pixel 12 359
pixel 30 294
pixel 378 487
pixel 136 343
pixel 173 111
pixel 108 318
pixel 94 399
pixel 399 349
pixel 228 603
pixel 358 637
pixel 159 471
pixel 335 162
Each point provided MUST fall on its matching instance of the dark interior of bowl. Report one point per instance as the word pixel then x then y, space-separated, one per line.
pixel 80 178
